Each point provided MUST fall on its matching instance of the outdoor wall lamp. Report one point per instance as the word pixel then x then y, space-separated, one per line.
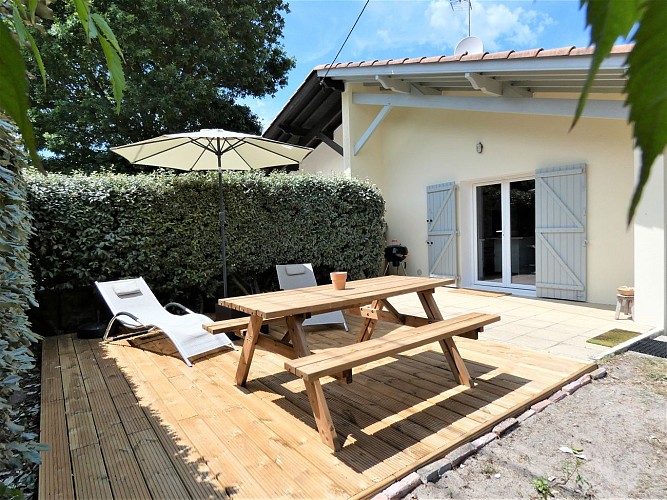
pixel 480 147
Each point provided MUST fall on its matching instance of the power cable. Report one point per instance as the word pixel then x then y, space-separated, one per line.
pixel 346 38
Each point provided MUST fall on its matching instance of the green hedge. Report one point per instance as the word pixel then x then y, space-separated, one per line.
pixel 17 445
pixel 164 227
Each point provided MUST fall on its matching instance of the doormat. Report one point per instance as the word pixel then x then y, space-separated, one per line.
pixel 651 347
pixel 480 293
pixel 612 337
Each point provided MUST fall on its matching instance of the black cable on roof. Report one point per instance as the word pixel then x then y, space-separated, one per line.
pixel 346 38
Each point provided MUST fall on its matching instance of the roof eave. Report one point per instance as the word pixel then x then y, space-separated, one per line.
pixel 616 60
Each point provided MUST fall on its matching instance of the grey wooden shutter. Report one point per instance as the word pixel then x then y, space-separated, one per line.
pixel 560 232
pixel 441 219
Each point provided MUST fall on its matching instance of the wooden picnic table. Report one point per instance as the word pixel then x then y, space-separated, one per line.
pixel 370 299
pixel 366 297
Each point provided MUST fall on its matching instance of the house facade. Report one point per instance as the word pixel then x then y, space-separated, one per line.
pixel 484 177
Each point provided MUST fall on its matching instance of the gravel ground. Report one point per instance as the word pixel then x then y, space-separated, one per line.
pixel 617 426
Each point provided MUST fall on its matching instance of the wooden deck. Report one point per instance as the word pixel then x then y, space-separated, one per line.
pixel 128 422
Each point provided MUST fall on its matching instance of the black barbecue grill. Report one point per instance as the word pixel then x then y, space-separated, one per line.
pixel 395 255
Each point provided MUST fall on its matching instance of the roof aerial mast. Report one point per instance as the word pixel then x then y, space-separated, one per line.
pixel 461 5
pixel 470 44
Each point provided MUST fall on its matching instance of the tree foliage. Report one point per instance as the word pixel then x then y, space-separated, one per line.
pixel 186 65
pixel 646 89
pixel 16 17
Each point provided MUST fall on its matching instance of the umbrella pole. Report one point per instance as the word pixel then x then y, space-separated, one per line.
pixel 223 247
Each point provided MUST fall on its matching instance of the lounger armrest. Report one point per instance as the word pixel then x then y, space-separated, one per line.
pixel 129 315
pixel 178 306
pixel 116 318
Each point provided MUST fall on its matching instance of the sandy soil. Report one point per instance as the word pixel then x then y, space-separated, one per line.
pixel 619 423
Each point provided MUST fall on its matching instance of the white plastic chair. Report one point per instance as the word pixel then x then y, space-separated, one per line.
pixel 133 304
pixel 291 276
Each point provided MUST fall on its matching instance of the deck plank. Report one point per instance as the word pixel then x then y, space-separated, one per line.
pixel 125 475
pixel 172 468
pixel 194 434
pixel 55 472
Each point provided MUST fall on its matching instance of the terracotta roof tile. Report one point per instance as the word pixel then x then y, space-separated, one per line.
pixel 525 53
pixel 499 55
pixel 414 60
pixel 564 51
pixel 473 57
pixel 433 59
pixel 507 54
pixel 622 49
pixel 582 51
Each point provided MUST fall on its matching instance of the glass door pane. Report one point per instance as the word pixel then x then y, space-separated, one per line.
pixel 489 233
pixel 522 224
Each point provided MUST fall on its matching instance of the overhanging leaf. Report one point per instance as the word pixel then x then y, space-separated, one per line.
pixel 115 71
pixel 83 11
pixel 32 6
pixel 101 23
pixel 608 20
pixel 26 36
pixel 13 88
pixel 646 91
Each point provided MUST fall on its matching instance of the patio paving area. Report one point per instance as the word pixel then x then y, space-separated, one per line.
pixel 553 326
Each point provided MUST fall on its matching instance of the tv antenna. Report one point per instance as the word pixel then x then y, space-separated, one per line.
pixel 461 5
pixel 470 44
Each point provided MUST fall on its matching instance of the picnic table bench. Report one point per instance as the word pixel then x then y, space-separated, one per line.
pixel 334 361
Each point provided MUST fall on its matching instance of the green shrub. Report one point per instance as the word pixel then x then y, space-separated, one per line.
pixel 17 447
pixel 165 227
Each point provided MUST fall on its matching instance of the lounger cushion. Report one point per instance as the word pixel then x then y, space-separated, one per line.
pixel 123 290
pixel 294 269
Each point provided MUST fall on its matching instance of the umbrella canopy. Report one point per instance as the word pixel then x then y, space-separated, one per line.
pixel 213 149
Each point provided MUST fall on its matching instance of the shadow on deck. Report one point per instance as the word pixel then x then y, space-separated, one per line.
pixel 136 422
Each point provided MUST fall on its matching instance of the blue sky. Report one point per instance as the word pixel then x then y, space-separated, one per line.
pixel 390 29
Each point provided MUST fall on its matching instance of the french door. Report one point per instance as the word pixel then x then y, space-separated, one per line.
pixel 505 234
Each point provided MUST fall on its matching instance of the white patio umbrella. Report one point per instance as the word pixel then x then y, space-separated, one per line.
pixel 213 149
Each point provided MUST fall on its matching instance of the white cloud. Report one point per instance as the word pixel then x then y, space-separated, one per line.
pixel 520 27
pixel 426 28
pixel 496 24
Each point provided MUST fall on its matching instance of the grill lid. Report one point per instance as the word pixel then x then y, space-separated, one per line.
pixel 395 253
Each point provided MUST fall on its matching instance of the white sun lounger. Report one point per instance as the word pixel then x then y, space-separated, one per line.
pixel 133 304
pixel 293 276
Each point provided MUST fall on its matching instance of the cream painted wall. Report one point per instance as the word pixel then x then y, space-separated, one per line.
pixel 649 227
pixel 414 148
pixel 369 162
pixel 325 161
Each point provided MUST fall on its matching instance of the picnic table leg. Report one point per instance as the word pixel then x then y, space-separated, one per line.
pixel 368 327
pixel 248 349
pixel 449 349
pixel 318 402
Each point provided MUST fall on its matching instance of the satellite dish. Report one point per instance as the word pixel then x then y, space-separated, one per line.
pixel 469 45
